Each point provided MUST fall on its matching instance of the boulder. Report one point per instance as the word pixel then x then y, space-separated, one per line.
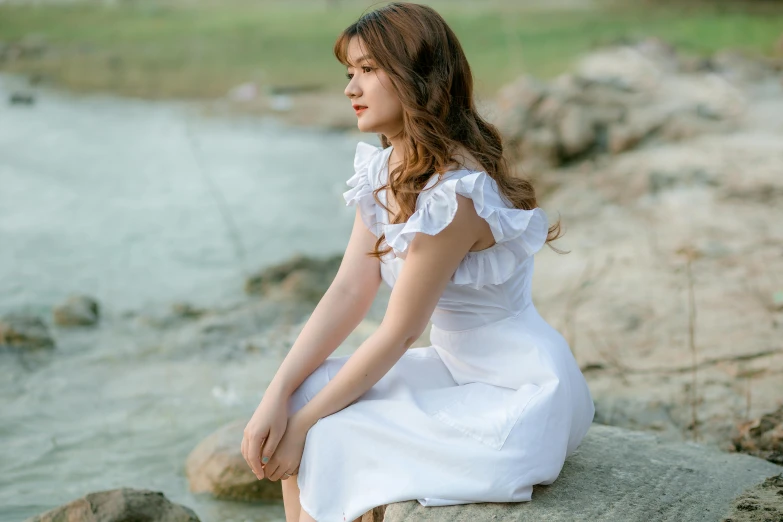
pixel 761 502
pixel 762 437
pixel 216 466
pixel 78 310
pixel 616 474
pixel 299 278
pixel 24 331
pixel 119 505
pixel 620 475
pixel 621 97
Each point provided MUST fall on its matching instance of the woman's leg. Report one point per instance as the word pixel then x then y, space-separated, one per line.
pixel 291 500
pixel 304 517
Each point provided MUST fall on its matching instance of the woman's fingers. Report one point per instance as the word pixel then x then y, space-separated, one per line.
pixel 269 448
pixel 253 456
pixel 279 471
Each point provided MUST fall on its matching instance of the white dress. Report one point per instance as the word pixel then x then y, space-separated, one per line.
pixel 492 407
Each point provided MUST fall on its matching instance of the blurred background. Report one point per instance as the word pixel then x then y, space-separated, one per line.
pixel 171 178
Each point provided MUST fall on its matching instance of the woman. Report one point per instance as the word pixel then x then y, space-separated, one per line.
pixel 497 402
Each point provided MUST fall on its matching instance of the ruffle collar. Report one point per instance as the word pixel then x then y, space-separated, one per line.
pixel 362 185
pixel 518 233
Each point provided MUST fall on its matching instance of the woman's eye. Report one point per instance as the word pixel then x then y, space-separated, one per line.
pixel 349 75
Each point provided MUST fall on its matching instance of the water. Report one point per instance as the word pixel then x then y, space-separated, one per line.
pixel 112 198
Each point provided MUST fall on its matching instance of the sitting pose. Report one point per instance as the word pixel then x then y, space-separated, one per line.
pixel 497 402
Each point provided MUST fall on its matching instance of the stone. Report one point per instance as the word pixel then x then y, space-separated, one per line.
pixel 515 102
pixel 301 277
pixel 576 130
pixel 78 310
pixel 119 505
pixel 216 466
pixel 623 68
pixel 762 437
pixel 24 331
pixel 617 475
pixel 762 502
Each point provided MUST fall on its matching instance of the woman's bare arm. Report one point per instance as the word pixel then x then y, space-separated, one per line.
pixel 339 311
pixel 429 264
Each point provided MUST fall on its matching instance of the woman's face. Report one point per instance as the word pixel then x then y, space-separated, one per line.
pixel 370 87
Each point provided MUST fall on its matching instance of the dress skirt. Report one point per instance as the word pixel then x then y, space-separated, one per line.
pixel 480 415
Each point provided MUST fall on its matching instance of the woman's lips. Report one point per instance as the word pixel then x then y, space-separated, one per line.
pixel 359 109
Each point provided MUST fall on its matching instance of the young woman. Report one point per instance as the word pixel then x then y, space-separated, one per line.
pixel 497 402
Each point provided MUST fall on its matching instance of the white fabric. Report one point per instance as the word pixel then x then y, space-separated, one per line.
pixel 492 407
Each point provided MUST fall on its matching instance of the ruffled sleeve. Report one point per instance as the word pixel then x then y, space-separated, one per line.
pixel 361 184
pixel 518 233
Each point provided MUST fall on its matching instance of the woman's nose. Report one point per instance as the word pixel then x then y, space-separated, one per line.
pixel 351 90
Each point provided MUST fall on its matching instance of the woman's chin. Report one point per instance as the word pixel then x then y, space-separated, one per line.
pixel 364 126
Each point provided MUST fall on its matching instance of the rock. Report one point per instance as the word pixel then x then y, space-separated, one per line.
pixel 622 97
pixel 621 475
pixel 539 150
pixel 762 437
pixel 300 278
pixel 216 466
pixel 187 311
pixel 515 102
pixel 374 515
pixel 762 502
pixel 78 310
pixel 738 66
pixel 119 505
pixel 638 125
pixel 21 98
pixel 624 68
pixel 22 331
pixel 576 130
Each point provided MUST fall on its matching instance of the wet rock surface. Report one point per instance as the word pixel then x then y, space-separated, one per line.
pixel 77 310
pixel 25 332
pixel 119 505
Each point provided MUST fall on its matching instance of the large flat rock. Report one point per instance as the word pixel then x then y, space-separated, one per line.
pixel 619 475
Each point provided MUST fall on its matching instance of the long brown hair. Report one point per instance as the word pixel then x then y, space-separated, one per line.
pixel 431 76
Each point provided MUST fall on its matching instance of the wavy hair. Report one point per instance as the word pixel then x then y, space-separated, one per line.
pixel 433 81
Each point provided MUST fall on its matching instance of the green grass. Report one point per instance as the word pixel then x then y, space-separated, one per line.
pixel 201 50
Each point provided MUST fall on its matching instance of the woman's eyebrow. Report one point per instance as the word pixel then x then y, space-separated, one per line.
pixel 363 58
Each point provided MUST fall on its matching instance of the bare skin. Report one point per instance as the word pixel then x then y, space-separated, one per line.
pixel 429 264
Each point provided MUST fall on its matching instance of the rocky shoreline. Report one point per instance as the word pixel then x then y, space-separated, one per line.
pixel 668 175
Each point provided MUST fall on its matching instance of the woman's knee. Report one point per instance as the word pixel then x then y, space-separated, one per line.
pixel 314 383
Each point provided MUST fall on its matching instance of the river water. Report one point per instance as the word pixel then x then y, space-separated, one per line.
pixel 141 204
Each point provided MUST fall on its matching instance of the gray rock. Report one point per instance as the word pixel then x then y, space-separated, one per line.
pixel 216 466
pixel 300 278
pixel 515 102
pixel 623 97
pixel 759 503
pixel 23 331
pixel 576 130
pixel 762 437
pixel 621 475
pixel 78 310
pixel 119 505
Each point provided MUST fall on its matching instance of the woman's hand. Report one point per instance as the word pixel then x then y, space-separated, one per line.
pixel 264 430
pixel 287 454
